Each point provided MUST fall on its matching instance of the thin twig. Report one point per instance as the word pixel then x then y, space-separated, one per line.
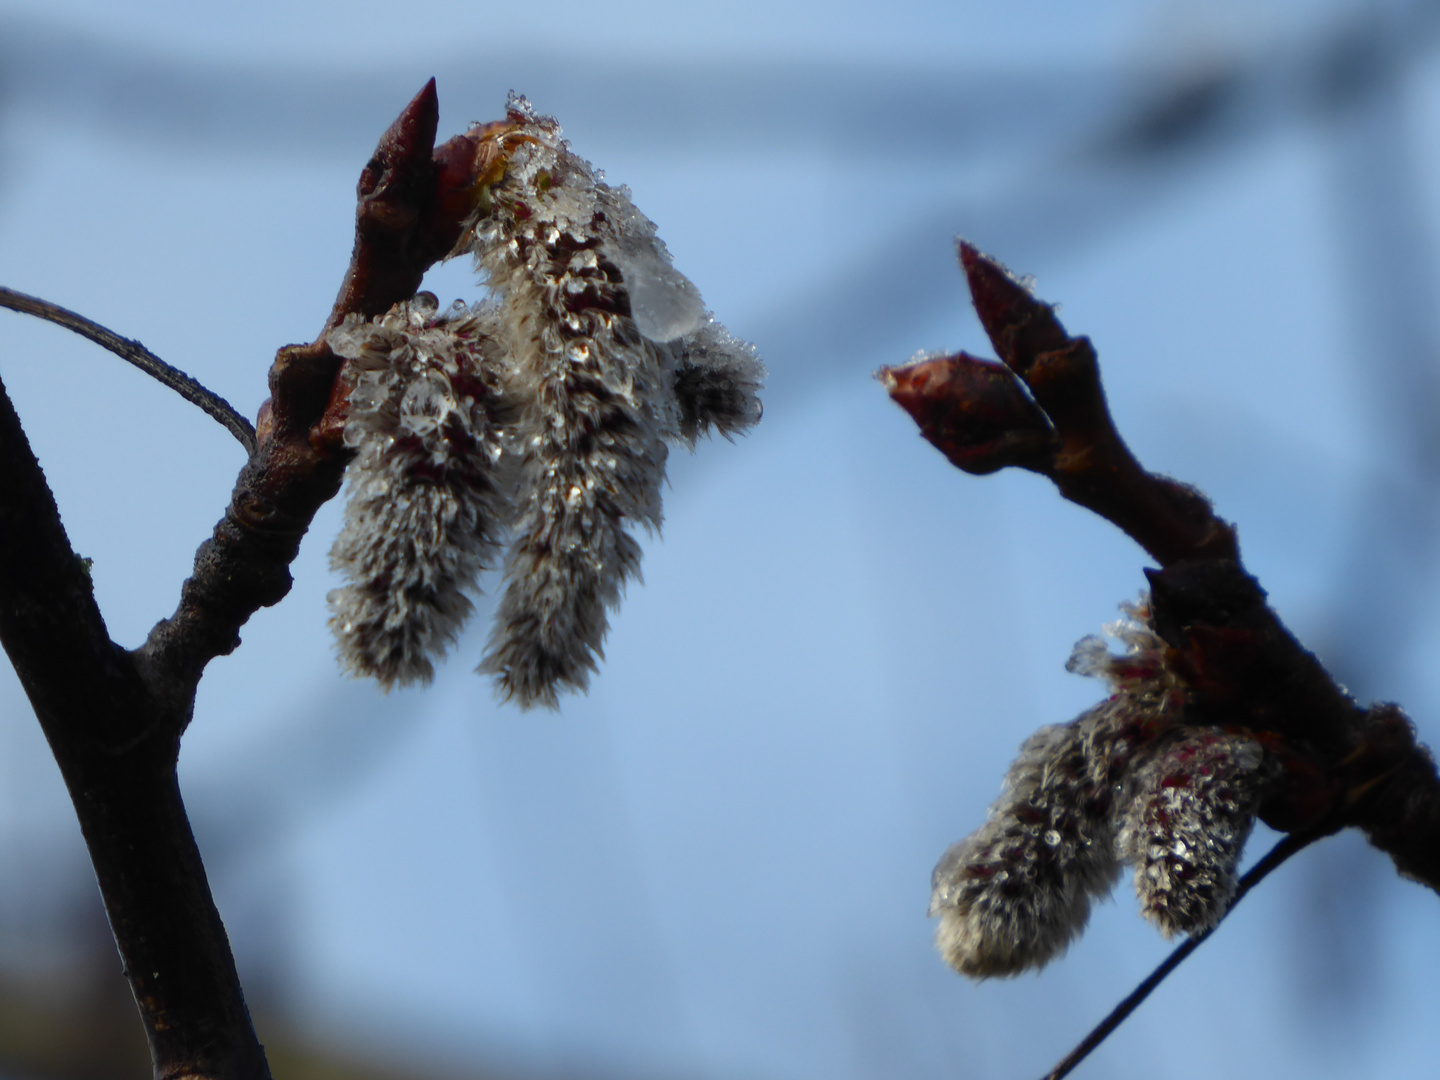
pixel 1277 855
pixel 213 404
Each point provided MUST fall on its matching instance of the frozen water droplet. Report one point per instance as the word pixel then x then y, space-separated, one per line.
pixel 1052 837
pixel 664 302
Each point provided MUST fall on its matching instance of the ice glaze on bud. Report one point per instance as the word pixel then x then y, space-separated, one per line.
pixel 1140 671
pixel 1189 811
pixel 426 502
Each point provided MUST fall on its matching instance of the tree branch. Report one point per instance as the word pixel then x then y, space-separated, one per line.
pixel 406 219
pixel 114 718
pixel 113 736
pixel 1234 663
pixel 192 391
pixel 1043 409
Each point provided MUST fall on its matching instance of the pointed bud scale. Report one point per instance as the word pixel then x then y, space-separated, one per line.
pixel 973 411
pixel 1190 810
pixel 1020 326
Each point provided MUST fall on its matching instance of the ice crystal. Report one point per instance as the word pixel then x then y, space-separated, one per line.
pixel 1139 671
pixel 426 505
pixel 608 354
pixel 1127 782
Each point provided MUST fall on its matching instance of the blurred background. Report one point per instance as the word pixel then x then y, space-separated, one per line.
pixel 716 865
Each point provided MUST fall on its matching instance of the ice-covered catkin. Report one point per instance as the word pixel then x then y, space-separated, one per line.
pixel 427 505
pixel 1188 812
pixel 717 382
pixel 596 319
pixel 1017 891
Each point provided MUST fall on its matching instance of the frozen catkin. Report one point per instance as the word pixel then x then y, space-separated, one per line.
pixel 1017 891
pixel 599 326
pixel 717 383
pixel 1185 824
pixel 427 500
pixel 1127 782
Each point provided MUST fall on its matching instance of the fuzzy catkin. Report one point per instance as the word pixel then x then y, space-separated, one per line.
pixel 426 504
pixel 1127 782
pixel 596 320
pixel 542 418
pixel 717 383
pixel 1017 891
pixel 1187 817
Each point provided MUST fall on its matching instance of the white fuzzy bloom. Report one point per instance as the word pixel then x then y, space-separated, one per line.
pixel 1127 782
pixel 543 418
pixel 427 501
pixel 597 322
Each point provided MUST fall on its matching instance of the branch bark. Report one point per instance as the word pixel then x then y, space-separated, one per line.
pixel 133 352
pixel 1043 408
pixel 114 718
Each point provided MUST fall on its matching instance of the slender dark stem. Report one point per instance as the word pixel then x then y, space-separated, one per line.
pixel 213 404
pixel 1277 855
pixel 114 718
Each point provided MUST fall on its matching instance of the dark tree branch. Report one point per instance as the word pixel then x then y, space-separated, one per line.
pixel 1043 409
pixel 212 403
pixel 405 221
pixel 115 739
pixel 114 718
pixel 1083 454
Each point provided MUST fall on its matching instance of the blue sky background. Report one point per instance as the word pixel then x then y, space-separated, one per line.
pixel 717 863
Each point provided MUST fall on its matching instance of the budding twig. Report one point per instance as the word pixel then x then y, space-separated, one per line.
pixel 1043 408
pixel 114 717
pixel 1232 664
pixel 212 403
pixel 1062 430
pixel 301 460
pixel 1288 846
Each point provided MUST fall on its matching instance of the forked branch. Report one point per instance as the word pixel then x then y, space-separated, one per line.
pixel 114 718
pixel 1235 666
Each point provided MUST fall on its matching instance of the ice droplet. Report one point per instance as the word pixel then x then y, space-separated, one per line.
pixel 664 302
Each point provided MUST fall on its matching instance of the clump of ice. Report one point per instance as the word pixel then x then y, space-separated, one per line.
pixel 664 303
